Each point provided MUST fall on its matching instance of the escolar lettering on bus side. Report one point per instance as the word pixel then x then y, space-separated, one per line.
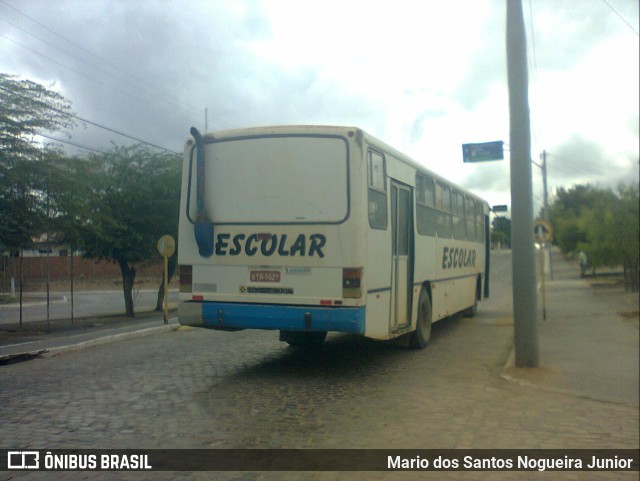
pixel 270 244
pixel 454 257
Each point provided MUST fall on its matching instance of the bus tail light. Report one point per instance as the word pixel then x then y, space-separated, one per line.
pixel 186 279
pixel 351 282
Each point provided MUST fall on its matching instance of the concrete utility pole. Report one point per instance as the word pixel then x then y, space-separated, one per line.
pixel 547 247
pixel 543 157
pixel 546 208
pixel 522 242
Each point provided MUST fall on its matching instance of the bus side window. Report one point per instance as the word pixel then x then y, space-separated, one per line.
pixel 458 215
pixel 425 205
pixel 443 203
pixel 470 216
pixel 377 191
pixel 479 222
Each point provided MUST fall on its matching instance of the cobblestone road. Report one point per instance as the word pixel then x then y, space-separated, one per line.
pixel 206 389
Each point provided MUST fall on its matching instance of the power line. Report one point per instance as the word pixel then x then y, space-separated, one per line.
pixel 82 119
pixel 82 74
pixel 136 83
pixel 121 133
pixel 589 170
pixel 43 55
pixel 168 97
pixel 71 143
pixel 75 57
pixel 621 17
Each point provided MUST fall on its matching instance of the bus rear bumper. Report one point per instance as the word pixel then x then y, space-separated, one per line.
pixel 232 316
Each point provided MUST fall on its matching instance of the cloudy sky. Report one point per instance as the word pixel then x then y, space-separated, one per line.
pixel 424 76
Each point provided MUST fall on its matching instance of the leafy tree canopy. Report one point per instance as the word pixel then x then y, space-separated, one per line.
pixel 601 223
pixel 501 231
pixel 134 200
pixel 113 205
pixel 27 109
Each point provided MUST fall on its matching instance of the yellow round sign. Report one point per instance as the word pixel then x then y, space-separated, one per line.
pixel 542 231
pixel 166 245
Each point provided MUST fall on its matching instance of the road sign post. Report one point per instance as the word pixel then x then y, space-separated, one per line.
pixel 543 234
pixel 542 231
pixel 500 208
pixel 166 247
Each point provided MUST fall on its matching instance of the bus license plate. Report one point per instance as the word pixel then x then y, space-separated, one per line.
pixel 265 276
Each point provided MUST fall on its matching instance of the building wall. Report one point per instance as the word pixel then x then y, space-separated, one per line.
pixel 35 269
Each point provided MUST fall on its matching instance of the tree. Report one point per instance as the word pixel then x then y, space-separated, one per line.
pixel 27 109
pixel 596 223
pixel 134 201
pixel 68 191
pixel 569 212
pixel 171 270
pixel 501 231
pixel 627 220
pixel 601 223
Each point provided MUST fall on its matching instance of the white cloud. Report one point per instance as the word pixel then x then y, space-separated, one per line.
pixel 598 95
pixel 423 76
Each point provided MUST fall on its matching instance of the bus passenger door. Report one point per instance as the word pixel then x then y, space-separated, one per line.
pixel 401 255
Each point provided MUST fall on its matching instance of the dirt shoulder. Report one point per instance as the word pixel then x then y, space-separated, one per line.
pixel 609 288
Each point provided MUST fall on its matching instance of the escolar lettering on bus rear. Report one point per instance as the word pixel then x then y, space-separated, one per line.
pixel 270 245
pixel 455 257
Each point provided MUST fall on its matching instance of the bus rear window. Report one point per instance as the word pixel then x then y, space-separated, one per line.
pixel 276 180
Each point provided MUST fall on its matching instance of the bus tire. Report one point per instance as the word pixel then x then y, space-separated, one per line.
pixel 473 310
pixel 303 338
pixel 422 335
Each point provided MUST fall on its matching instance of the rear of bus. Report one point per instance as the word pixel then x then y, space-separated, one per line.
pixel 268 232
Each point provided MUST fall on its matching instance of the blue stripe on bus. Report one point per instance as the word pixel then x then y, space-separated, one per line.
pixel 288 318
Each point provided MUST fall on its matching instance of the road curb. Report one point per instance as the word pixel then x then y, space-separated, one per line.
pixel 112 338
pixel 521 377
pixel 55 351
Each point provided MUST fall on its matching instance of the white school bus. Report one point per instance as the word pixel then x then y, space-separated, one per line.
pixel 310 229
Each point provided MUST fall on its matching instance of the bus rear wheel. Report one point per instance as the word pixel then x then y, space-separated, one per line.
pixel 303 338
pixel 473 310
pixel 422 335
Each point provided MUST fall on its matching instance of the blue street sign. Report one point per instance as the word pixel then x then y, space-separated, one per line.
pixel 483 152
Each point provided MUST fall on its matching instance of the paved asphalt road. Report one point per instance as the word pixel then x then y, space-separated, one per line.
pixel 85 304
